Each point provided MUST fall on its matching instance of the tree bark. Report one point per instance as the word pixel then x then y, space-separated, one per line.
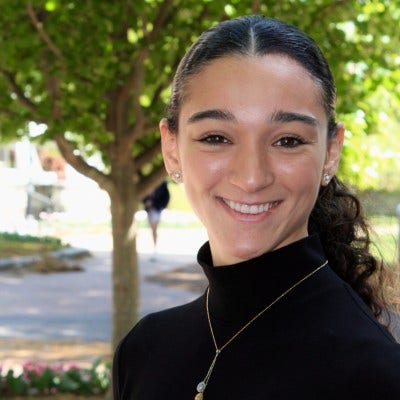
pixel 125 275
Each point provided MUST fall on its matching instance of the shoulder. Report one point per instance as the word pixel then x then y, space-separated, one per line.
pixel 155 327
pixel 365 314
pixel 154 334
pixel 377 372
pixel 345 313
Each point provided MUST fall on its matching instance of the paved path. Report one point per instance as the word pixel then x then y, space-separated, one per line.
pixel 77 305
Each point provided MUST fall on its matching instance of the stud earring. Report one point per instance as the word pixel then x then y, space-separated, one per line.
pixel 176 176
pixel 326 178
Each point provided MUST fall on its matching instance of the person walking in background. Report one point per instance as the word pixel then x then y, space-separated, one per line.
pixel 154 203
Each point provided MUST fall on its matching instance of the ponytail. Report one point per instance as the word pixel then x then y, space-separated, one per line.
pixel 338 218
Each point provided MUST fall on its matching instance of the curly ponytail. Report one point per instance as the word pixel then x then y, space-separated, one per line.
pixel 338 218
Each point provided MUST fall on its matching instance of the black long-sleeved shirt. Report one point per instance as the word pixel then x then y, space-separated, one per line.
pixel 319 342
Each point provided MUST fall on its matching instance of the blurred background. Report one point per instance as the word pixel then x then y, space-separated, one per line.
pixel 82 88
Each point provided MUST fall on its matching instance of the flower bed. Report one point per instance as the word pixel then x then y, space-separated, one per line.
pixel 38 379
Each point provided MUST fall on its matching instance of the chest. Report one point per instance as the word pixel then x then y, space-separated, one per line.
pixel 256 366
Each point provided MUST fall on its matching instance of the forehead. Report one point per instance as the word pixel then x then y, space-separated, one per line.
pixel 268 82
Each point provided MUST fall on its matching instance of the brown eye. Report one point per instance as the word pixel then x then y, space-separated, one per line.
pixel 215 140
pixel 289 141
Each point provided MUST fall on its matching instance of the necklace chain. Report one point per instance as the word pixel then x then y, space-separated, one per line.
pixel 203 384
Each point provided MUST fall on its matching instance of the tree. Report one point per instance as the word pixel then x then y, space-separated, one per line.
pixel 97 73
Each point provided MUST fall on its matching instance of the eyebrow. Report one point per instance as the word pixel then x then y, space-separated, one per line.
pixel 218 114
pixel 285 116
pixel 277 116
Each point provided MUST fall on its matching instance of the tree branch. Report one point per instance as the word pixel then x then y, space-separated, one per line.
pixel 164 13
pixel 8 112
pixel 42 33
pixel 68 151
pixel 10 78
pixel 135 79
pixel 147 156
pixel 255 6
pixel 163 85
pixel 136 132
pixel 53 88
pixel 149 182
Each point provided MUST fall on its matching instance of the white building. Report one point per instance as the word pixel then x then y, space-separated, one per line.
pixel 27 190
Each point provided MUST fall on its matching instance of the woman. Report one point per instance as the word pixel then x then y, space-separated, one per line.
pixel 290 312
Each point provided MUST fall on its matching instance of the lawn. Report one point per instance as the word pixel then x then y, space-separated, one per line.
pixel 385 237
pixel 12 244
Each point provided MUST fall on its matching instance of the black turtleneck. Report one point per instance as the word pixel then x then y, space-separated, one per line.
pixel 318 342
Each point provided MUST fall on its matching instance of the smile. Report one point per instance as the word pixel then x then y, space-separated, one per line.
pixel 250 208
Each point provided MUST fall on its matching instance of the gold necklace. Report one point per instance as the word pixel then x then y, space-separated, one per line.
pixel 201 387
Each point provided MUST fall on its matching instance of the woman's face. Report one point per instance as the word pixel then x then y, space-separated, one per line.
pixel 252 147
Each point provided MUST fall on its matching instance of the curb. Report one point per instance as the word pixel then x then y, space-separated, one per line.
pixel 19 262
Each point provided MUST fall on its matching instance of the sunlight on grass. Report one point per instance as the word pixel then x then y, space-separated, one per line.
pixel 385 231
pixel 19 245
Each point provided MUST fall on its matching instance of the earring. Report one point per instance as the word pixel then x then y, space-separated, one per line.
pixel 176 176
pixel 326 178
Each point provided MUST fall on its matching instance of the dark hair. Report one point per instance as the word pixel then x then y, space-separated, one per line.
pixel 253 35
pixel 337 214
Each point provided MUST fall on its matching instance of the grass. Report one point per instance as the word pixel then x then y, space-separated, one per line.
pixel 385 238
pixel 12 244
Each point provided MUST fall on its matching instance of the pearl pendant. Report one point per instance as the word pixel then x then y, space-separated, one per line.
pixel 200 388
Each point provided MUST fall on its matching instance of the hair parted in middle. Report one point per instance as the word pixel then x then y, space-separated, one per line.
pixel 253 35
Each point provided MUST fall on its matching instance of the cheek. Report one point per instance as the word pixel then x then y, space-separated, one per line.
pixel 302 175
pixel 203 166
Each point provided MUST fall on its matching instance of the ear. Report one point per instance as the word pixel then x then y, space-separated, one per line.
pixel 169 147
pixel 334 149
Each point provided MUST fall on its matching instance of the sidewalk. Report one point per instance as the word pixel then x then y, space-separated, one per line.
pixel 77 305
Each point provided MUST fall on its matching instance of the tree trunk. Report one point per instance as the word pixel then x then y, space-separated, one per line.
pixel 125 260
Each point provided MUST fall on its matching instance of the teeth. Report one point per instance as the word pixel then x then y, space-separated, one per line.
pixel 249 209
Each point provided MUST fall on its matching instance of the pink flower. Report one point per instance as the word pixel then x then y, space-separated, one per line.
pixel 57 368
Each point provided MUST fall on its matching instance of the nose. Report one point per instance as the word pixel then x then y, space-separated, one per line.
pixel 252 169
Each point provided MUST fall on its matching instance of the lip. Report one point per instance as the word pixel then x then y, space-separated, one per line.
pixel 250 210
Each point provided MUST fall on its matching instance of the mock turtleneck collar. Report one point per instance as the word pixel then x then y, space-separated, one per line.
pixel 241 290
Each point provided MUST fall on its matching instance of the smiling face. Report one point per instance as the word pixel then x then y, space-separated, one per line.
pixel 252 147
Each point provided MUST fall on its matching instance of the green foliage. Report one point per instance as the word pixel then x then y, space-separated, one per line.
pixel 16 237
pixel 91 50
pixel 38 380
pixel 12 244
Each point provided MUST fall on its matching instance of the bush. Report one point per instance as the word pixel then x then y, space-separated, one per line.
pixel 14 244
pixel 37 379
pixel 46 240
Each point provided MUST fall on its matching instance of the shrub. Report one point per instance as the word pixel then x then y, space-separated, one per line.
pixel 37 379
